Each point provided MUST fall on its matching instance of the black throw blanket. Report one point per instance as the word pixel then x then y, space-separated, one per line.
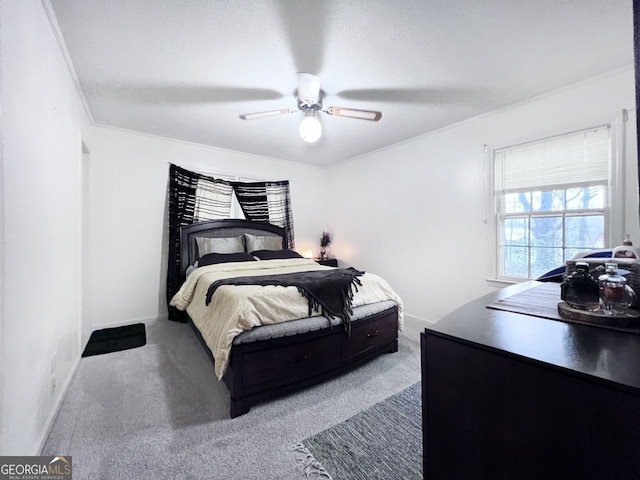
pixel 329 291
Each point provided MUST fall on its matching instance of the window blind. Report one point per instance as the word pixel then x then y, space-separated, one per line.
pixel 267 202
pixel 574 158
pixel 213 199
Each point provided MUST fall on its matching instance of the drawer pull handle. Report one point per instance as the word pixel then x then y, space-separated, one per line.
pixel 373 334
pixel 301 358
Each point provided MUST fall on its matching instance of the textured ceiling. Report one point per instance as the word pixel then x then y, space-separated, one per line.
pixel 187 68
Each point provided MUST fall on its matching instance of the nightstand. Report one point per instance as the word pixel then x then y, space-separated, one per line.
pixel 328 262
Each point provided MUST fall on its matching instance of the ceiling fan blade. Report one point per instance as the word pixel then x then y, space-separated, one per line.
pixel 308 88
pixel 305 23
pixel 176 93
pixel 270 113
pixel 354 113
pixel 433 95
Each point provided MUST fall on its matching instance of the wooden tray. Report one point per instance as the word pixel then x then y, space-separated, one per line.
pixel 543 300
pixel 627 319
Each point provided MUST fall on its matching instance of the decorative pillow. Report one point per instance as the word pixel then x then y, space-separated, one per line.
pixel 262 242
pixel 214 258
pixel 275 254
pixel 219 245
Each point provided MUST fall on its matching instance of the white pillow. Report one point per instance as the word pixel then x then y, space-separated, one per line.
pixel 219 245
pixel 262 242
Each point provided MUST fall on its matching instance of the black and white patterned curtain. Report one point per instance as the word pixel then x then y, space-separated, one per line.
pixel 267 202
pixel 194 198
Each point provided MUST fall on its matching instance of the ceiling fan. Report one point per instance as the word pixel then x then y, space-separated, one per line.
pixel 309 97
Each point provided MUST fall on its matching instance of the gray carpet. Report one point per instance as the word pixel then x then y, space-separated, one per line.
pixel 159 412
pixel 380 443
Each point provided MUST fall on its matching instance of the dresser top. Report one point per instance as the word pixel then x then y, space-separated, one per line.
pixel 585 350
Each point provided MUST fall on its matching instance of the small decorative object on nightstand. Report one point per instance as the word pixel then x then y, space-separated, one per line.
pixel 325 241
pixel 328 262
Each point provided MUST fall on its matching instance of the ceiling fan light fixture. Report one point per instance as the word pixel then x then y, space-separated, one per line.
pixel 310 127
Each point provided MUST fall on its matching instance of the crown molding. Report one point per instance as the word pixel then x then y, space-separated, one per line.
pixel 57 33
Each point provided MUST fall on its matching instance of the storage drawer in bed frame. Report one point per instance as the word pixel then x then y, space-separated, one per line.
pixel 261 370
pixel 262 367
pixel 370 335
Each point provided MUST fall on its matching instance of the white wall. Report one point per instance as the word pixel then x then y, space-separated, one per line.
pixel 41 152
pixel 416 212
pixel 129 177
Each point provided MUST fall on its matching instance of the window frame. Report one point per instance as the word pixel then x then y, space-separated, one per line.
pixel 235 211
pixel 614 209
pixel 501 216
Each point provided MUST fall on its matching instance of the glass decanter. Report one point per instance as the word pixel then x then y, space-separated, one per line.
pixel 615 295
pixel 580 290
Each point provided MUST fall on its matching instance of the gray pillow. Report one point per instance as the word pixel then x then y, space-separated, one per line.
pixel 219 245
pixel 262 242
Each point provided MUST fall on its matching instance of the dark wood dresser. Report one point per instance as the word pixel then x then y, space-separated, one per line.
pixel 512 396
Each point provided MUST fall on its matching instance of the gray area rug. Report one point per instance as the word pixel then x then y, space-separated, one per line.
pixel 158 412
pixel 382 442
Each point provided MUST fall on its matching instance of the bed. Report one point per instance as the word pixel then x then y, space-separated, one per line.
pixel 266 341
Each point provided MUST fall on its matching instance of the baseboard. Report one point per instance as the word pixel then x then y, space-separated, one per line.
pixel 420 319
pixel 130 321
pixel 56 407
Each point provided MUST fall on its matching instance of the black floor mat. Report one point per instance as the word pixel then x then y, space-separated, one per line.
pixel 115 339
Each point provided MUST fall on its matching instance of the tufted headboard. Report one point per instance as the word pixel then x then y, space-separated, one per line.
pixel 220 229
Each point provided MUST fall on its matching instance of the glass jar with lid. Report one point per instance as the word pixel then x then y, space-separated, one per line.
pixel 615 295
pixel 580 290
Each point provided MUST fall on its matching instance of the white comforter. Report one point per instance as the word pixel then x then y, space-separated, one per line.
pixel 235 308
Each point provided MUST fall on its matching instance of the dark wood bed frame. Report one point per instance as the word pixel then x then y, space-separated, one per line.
pixel 262 370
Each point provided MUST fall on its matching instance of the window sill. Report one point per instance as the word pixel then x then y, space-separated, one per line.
pixel 501 283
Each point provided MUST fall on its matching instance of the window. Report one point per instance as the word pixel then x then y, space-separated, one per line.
pixel 217 200
pixel 552 200
pixel 213 199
